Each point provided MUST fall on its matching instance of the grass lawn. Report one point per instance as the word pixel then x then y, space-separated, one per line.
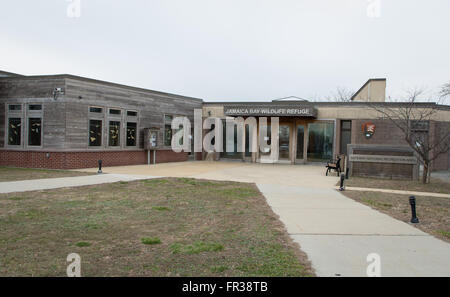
pixel 436 186
pixel 158 227
pixel 14 174
pixel 433 212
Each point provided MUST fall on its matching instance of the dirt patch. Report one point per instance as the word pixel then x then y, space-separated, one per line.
pixel 433 212
pixel 436 186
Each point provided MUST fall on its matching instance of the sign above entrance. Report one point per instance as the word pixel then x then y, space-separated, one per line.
pixel 294 111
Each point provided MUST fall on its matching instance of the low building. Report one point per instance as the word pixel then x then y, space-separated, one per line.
pixel 66 121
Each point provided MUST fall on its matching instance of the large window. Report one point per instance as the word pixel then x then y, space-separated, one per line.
pixel 14 131
pixel 95 132
pixel 114 133
pixel 34 131
pixel 320 144
pixel 131 134
pixel 168 130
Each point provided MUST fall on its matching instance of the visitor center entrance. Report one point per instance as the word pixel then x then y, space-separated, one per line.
pixel 299 141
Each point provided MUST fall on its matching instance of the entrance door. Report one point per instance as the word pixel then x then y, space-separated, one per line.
pixel 300 142
pixel 284 142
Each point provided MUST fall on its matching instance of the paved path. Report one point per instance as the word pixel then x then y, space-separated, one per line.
pixel 62 182
pixel 427 194
pixel 336 232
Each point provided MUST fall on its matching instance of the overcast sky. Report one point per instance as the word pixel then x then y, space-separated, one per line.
pixel 232 50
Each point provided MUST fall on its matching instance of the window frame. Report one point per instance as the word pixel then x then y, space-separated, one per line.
pixel 33 114
pixel 135 136
pixel 20 145
pixel 94 112
pixel 89 133
pixel 29 117
pixel 114 114
pixel 109 120
pixel 164 129
pixel 14 114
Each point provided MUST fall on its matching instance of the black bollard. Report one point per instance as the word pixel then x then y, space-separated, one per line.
pixel 412 202
pixel 99 167
pixel 341 187
pixel 346 172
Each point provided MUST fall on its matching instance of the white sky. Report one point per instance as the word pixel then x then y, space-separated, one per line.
pixel 232 50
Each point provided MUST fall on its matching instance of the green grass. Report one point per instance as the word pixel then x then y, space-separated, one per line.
pixel 15 174
pixel 82 244
pixel 161 208
pixel 195 248
pixel 203 228
pixel 150 240
pixel 444 233
pixel 219 269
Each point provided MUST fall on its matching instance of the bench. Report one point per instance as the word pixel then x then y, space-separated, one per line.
pixel 334 165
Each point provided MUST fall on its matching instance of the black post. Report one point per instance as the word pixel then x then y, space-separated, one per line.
pixel 412 202
pixel 346 172
pixel 99 167
pixel 341 187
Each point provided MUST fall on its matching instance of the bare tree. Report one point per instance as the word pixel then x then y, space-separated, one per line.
pixel 414 121
pixel 341 94
pixel 445 90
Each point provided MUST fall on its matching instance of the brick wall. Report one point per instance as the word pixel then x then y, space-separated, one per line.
pixel 384 170
pixel 385 133
pixel 76 160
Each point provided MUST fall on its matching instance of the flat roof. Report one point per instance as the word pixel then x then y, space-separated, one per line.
pixel 90 80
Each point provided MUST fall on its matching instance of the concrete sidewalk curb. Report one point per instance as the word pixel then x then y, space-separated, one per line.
pixel 430 194
pixel 66 182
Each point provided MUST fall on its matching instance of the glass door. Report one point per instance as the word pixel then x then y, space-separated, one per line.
pixel 300 142
pixel 284 142
pixel 320 142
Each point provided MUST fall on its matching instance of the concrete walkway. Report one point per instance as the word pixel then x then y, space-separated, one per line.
pixel 336 232
pixel 63 182
pixel 415 193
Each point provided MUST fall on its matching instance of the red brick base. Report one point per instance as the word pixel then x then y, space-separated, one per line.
pixel 76 160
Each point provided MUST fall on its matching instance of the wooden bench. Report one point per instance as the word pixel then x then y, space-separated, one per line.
pixel 334 165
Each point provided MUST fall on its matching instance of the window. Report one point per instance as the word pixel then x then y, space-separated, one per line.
pixel 115 111
pixel 34 107
pixel 14 107
pixel 168 130
pixel 95 109
pixel 132 113
pixel 114 133
pixel 95 132
pixel 14 131
pixel 320 144
pixel 34 131
pixel 131 134
pixel 346 135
